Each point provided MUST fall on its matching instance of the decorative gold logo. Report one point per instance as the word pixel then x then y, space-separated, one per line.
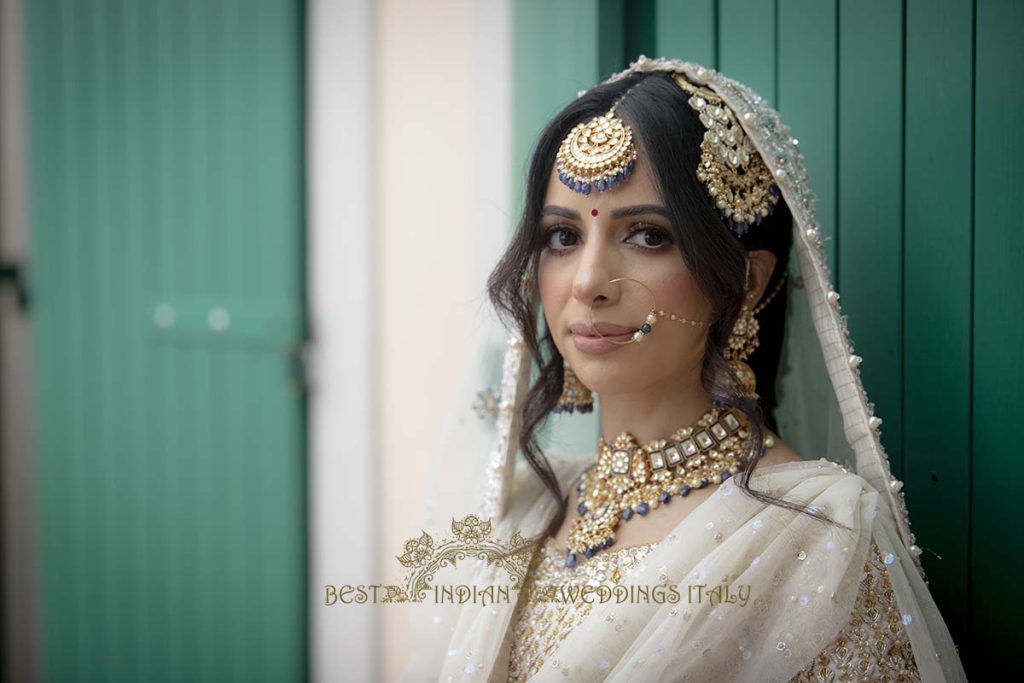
pixel 471 538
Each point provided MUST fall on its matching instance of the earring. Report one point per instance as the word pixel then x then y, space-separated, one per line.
pixel 576 397
pixel 743 340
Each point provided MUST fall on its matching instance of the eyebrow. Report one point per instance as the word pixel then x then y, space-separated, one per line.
pixel 638 210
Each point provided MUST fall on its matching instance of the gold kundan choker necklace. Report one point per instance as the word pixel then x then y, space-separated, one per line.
pixel 629 478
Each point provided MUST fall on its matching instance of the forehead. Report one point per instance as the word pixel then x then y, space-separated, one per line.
pixel 640 188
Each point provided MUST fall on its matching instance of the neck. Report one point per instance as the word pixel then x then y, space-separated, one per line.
pixel 657 411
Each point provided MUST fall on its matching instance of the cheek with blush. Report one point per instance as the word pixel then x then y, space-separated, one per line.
pixel 678 293
pixel 683 296
pixel 553 299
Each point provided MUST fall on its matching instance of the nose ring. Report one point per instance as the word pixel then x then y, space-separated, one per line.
pixel 645 329
pixel 652 317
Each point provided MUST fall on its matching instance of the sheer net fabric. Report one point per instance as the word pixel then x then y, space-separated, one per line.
pixel 824 602
pixel 873 646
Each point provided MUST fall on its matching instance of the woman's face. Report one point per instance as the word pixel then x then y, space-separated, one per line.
pixel 622 232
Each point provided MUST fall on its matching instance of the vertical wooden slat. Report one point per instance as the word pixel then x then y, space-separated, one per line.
pixel 937 259
pixel 204 465
pixel 998 377
pixel 181 492
pixel 240 198
pixel 101 318
pixel 119 647
pixel 228 436
pixel 640 34
pixel 545 80
pixel 611 36
pixel 807 54
pixel 166 217
pixel 50 138
pixel 76 100
pixel 686 29
pixel 746 44
pixel 137 455
pixel 869 272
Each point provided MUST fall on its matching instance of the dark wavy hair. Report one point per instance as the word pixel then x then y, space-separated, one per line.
pixel 668 134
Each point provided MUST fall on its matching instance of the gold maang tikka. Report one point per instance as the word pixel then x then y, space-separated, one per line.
pixel 599 154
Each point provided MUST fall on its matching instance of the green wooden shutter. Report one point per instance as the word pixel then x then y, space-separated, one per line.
pixel 167 254
pixel 995 380
pixel 906 114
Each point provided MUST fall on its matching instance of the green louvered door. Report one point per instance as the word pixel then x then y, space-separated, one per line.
pixel 907 114
pixel 167 254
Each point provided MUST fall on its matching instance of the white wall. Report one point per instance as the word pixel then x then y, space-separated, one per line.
pixel 408 141
pixel 341 157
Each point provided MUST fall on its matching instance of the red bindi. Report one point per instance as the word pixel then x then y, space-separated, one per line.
pixel 593 212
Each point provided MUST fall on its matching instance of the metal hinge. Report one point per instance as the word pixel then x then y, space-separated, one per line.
pixel 299 367
pixel 12 272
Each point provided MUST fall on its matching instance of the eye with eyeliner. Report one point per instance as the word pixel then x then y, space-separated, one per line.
pixel 634 230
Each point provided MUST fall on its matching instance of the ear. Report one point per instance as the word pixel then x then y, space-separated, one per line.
pixel 762 264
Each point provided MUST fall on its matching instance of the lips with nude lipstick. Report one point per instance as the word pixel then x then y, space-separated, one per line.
pixel 585 338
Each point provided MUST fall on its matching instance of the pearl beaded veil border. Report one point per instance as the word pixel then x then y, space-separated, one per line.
pixel 823 412
pixel 861 426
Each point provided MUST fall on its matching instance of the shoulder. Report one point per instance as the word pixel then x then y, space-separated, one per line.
pixel 778 453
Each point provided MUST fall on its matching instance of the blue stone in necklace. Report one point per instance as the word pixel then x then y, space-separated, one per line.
pixel 632 479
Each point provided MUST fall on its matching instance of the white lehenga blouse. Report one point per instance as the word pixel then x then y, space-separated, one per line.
pixel 872 646
pixel 821 603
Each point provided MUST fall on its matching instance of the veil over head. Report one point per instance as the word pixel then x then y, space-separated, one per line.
pixel 823 413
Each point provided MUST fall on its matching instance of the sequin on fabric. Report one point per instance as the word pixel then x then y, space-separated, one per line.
pixel 874 644
pixel 539 623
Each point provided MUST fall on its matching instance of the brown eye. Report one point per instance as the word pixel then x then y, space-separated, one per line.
pixel 560 238
pixel 649 237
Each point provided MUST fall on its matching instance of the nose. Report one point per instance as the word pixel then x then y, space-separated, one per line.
pixel 596 267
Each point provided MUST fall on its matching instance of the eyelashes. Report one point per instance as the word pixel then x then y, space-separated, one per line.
pixel 556 236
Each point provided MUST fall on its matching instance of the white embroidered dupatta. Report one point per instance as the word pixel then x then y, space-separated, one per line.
pixel 803 574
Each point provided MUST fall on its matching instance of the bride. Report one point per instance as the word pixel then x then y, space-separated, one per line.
pixel 652 273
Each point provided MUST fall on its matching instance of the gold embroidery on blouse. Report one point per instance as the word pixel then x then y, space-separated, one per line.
pixel 874 644
pixel 539 625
